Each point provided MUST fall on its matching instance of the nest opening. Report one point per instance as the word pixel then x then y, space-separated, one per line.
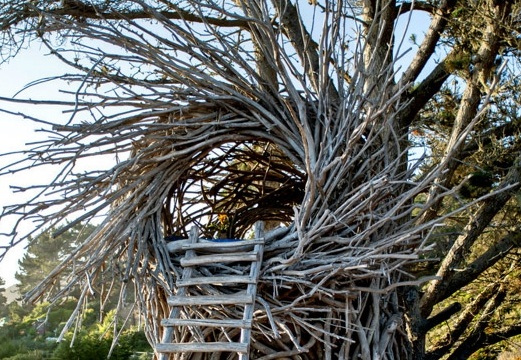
pixel 232 187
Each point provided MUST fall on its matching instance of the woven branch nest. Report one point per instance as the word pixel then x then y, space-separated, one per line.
pixel 337 203
pixel 341 240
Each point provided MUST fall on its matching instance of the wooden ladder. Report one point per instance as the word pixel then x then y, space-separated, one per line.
pixel 208 253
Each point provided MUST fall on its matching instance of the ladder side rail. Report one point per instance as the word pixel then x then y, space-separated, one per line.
pixel 252 290
pixel 175 311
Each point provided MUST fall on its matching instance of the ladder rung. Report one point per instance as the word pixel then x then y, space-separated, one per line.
pixel 219 258
pixel 211 300
pixel 216 280
pixel 243 324
pixel 219 246
pixel 202 347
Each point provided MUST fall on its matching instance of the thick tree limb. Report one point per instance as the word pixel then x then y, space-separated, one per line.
pixel 498 132
pixel 492 338
pixel 441 289
pixel 442 316
pixel 467 347
pixel 407 6
pixel 428 45
pixel 466 317
pixel 379 45
pixel 304 45
pixel 493 254
pixel 417 98
pixel 470 102
pixel 78 9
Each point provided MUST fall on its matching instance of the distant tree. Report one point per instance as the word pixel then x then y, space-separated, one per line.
pixel 25 336
pixel 96 342
pixel 46 252
pixel 17 312
pixel 3 299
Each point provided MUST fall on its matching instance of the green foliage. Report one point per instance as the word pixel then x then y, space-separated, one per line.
pixel 479 183
pixel 24 335
pixel 95 342
pixel 141 355
pixel 488 353
pixel 91 345
pixel 85 347
pixel 461 61
pixel 136 340
pixel 18 341
pixel 21 340
pixel 8 348
pixel 45 252
pixel 32 355
pixel 3 299
pixel 45 319
pixel 16 313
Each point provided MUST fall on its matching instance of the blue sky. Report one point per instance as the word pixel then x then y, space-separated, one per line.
pixel 15 132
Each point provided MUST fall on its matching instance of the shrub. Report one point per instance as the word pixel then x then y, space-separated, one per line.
pixel 92 347
pixel 32 355
pixel 85 347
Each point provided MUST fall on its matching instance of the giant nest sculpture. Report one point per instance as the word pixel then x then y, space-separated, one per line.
pixel 340 239
pixel 220 145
